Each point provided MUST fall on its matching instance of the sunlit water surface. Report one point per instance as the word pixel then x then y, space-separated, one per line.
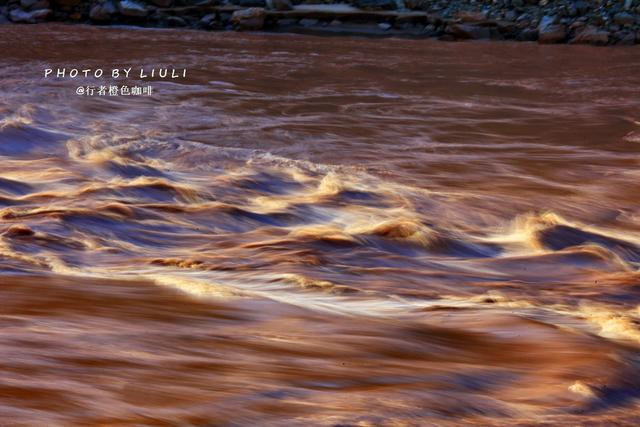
pixel 318 231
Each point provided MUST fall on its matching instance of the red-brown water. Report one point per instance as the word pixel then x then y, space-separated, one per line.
pixel 318 231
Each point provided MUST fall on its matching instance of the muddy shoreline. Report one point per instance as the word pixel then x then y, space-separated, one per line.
pixel 602 23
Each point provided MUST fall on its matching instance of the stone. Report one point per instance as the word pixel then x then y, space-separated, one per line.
pixel 546 21
pixel 102 12
pixel 335 23
pixel 376 4
pixel 132 8
pixel 468 31
pixel 555 33
pixel 469 16
pixel 249 19
pixel 208 19
pixel 591 35
pixel 624 18
pixel 385 26
pixel 22 17
pixel 550 32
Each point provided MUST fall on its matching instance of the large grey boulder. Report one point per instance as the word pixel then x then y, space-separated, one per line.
pixel 249 19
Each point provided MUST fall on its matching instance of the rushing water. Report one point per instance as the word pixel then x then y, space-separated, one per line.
pixel 318 231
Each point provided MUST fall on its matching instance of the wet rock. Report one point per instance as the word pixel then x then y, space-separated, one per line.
pixel 624 18
pixel 249 19
pixel 385 26
pixel 132 9
pixel 468 31
pixel 102 12
pixel 22 17
pixel 550 32
pixel 555 33
pixel 591 35
pixel 376 4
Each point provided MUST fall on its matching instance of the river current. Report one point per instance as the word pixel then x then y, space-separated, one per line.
pixel 318 231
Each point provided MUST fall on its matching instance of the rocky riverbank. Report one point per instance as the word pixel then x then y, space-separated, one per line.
pixel 597 22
